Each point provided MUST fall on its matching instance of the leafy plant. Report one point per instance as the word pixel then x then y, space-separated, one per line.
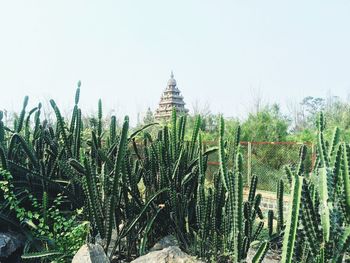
pixel 53 236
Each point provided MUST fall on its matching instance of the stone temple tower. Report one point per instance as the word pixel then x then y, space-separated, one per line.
pixel 171 98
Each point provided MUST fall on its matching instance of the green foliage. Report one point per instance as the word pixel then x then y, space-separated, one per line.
pixel 266 125
pixel 54 236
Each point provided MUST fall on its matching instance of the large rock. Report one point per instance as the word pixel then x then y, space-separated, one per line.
pixel 90 253
pixel 10 242
pixel 165 242
pixel 170 254
pixel 103 243
pixel 271 256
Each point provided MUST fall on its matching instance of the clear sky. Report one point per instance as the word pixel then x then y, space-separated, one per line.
pixel 222 52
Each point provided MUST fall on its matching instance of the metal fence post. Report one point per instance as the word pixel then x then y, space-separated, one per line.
pixel 249 163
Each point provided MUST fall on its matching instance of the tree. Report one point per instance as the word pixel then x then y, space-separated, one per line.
pixel 268 124
pixel 149 117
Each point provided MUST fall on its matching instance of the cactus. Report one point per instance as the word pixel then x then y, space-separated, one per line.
pixel 292 221
pixel 239 216
pixel 22 115
pixel 103 174
pixel 270 222
pixel 260 254
pixel 280 194
pixel 317 226
pixel 46 162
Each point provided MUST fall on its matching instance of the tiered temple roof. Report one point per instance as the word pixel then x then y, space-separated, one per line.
pixel 171 98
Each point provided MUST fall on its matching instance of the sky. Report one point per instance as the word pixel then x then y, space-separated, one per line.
pixel 223 53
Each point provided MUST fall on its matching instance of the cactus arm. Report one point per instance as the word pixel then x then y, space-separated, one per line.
pixel 292 221
pixel 335 141
pixel 238 199
pixel 325 209
pixel 280 194
pixel 343 245
pixel 346 180
pixel 195 135
pixel 222 155
pixel 22 115
pixel 270 222
pixel 260 254
pixel 61 127
pixel 174 134
pixel 302 155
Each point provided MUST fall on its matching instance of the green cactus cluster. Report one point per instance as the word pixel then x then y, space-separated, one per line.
pixel 136 187
pixel 99 175
pixel 129 183
pixel 228 224
pixel 317 228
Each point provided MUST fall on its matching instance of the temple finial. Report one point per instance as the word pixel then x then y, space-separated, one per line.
pixel 172 74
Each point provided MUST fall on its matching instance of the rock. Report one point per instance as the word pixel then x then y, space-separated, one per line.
pixel 170 254
pixel 114 238
pixel 90 253
pixel 10 242
pixel 271 257
pixel 165 242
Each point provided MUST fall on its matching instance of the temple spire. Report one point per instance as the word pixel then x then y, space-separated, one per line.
pixel 171 98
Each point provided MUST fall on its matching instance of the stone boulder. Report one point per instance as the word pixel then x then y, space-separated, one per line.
pixel 10 242
pixel 90 253
pixel 165 242
pixel 171 254
pixel 103 243
pixel 271 256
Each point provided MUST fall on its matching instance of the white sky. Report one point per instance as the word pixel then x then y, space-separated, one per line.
pixel 222 52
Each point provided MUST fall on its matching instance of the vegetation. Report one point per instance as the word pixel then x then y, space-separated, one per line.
pixel 318 224
pixel 67 182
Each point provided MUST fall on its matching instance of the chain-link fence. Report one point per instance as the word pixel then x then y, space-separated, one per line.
pixel 267 160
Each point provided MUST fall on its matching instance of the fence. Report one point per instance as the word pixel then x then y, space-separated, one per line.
pixel 267 160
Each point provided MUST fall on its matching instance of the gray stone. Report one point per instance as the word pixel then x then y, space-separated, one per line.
pixel 165 242
pixel 270 257
pixel 90 253
pixel 9 243
pixel 170 254
pixel 103 243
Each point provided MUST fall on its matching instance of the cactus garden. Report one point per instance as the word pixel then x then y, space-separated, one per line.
pixel 65 183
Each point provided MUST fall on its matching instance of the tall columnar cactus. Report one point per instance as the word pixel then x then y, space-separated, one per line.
pixel 22 115
pixel 280 196
pixel 270 222
pixel 276 237
pixel 345 176
pixel 170 161
pixel 112 130
pixel 2 129
pixel 61 128
pixel 239 216
pixel 318 223
pixel 260 254
pixel 292 221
